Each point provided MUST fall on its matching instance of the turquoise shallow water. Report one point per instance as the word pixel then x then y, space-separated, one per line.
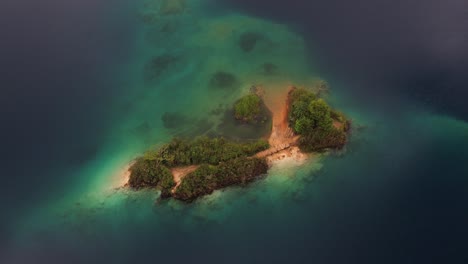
pixel 386 198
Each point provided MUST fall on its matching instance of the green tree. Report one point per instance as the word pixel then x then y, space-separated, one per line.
pixel 248 107
pixel 146 173
pixel 301 94
pixel 303 125
pixel 320 115
pixel 300 109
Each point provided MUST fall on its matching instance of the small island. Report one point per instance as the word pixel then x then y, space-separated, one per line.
pixel 186 169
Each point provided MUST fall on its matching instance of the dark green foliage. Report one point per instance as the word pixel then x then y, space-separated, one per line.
pixel 223 80
pixel 319 140
pixel 248 40
pixel 307 112
pixel 166 183
pixel 302 125
pixel 200 182
pixel 247 108
pixel 301 94
pixel 166 180
pixel 312 118
pixel 202 150
pixel 320 115
pixel 242 170
pixel 151 170
pixel 148 173
pixel 225 163
pixel 208 178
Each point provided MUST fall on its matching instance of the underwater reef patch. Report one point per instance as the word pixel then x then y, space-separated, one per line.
pixel 248 40
pixel 223 80
pixel 269 68
pixel 158 65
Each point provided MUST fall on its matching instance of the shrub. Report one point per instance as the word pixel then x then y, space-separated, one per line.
pixel 197 183
pixel 318 140
pixel 301 94
pixel 208 178
pixel 312 118
pixel 307 112
pixel 247 108
pixel 320 114
pixel 149 173
pixel 302 125
pixel 180 152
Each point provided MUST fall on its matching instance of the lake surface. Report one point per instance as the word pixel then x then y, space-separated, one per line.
pixel 88 86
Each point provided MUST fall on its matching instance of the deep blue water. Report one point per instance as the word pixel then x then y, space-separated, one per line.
pixel 56 56
pixel 398 195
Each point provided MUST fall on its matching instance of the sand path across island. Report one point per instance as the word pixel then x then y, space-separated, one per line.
pixel 283 142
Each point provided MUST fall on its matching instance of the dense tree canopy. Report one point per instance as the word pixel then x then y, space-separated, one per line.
pixel 208 178
pixel 147 173
pixel 320 114
pixel 312 118
pixel 152 169
pixel 182 152
pixel 248 107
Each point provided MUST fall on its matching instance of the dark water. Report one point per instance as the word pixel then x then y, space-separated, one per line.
pixel 398 194
pixel 55 56
pixel 414 48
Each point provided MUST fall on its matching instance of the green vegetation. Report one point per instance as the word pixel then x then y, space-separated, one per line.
pixel 208 178
pixel 152 169
pixel 318 140
pixel 203 150
pixel 248 108
pixel 147 173
pixel 313 119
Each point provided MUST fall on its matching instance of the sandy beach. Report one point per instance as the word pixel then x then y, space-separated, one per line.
pixel 121 177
